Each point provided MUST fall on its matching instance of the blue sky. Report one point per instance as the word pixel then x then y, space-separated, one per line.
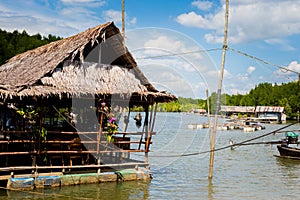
pixel 268 30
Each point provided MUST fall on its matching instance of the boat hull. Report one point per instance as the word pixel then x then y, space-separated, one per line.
pixel 288 151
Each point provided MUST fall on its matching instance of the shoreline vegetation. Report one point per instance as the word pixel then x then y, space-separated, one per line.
pixel 286 95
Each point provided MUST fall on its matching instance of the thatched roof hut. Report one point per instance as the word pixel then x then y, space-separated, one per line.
pixel 93 62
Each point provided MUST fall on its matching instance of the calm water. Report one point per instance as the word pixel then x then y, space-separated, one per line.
pixel 246 172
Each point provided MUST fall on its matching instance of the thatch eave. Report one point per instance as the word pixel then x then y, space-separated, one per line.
pixel 37 72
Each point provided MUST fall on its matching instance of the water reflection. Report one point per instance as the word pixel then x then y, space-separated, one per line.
pixel 288 168
pixel 288 162
pixel 114 190
pixel 210 189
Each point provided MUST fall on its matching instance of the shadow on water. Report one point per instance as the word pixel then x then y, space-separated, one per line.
pixel 288 162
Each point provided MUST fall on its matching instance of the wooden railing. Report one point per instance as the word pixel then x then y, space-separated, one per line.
pixel 19 153
pixel 122 138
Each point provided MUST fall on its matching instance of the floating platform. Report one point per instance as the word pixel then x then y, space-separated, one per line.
pixel 198 126
pixel 24 182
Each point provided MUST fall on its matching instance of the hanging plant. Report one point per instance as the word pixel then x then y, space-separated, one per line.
pixel 112 129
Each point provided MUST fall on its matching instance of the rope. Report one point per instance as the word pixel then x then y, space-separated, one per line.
pixel 44 194
pixel 228 146
pixel 263 61
pixel 178 54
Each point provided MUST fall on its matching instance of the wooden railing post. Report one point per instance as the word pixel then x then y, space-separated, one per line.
pixel 99 138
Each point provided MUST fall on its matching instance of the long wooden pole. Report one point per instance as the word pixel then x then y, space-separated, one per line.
pixel 208 109
pixel 99 137
pixel 213 135
pixel 123 21
pixel 153 122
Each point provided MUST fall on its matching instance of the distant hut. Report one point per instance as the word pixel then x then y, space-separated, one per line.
pixel 235 110
pixel 271 114
pixel 65 107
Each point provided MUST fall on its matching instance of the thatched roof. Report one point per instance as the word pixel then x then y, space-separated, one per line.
pixel 92 62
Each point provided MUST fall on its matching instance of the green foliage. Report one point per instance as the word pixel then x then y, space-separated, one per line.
pixel 286 95
pixel 173 106
pixel 44 134
pixel 182 105
pixel 15 43
pixel 266 94
pixel 31 116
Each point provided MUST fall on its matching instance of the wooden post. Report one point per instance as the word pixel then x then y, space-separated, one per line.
pixel 36 156
pixel 123 22
pixel 154 118
pixel 151 118
pixel 208 109
pixel 147 133
pixel 99 136
pixel 213 135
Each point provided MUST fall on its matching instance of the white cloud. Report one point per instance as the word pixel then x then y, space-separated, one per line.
pixel 249 20
pixel 250 69
pixel 113 15
pixel 166 43
pixel 190 68
pixel 83 12
pixel 192 19
pixel 35 18
pixel 215 74
pixel 76 1
pixel 202 5
pixel 294 66
pixel 281 44
pixel 116 16
pixel 133 21
pixel 85 2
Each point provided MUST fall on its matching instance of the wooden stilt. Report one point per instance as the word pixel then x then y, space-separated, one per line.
pixel 147 131
pixel 208 109
pixel 154 118
pixel 99 137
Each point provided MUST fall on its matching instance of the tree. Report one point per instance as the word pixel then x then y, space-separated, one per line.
pixel 15 43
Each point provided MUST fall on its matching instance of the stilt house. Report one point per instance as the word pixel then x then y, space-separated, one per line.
pixel 65 109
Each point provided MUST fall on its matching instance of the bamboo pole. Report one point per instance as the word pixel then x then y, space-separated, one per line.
pixel 154 118
pixel 213 135
pixel 208 109
pixel 151 118
pixel 99 137
pixel 36 167
pixel 71 152
pixel 147 132
pixel 66 142
pixel 123 22
pixel 72 133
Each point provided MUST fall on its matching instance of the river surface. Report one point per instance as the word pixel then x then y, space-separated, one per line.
pixel 247 172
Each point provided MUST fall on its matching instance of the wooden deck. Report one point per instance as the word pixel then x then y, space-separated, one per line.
pixel 93 153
